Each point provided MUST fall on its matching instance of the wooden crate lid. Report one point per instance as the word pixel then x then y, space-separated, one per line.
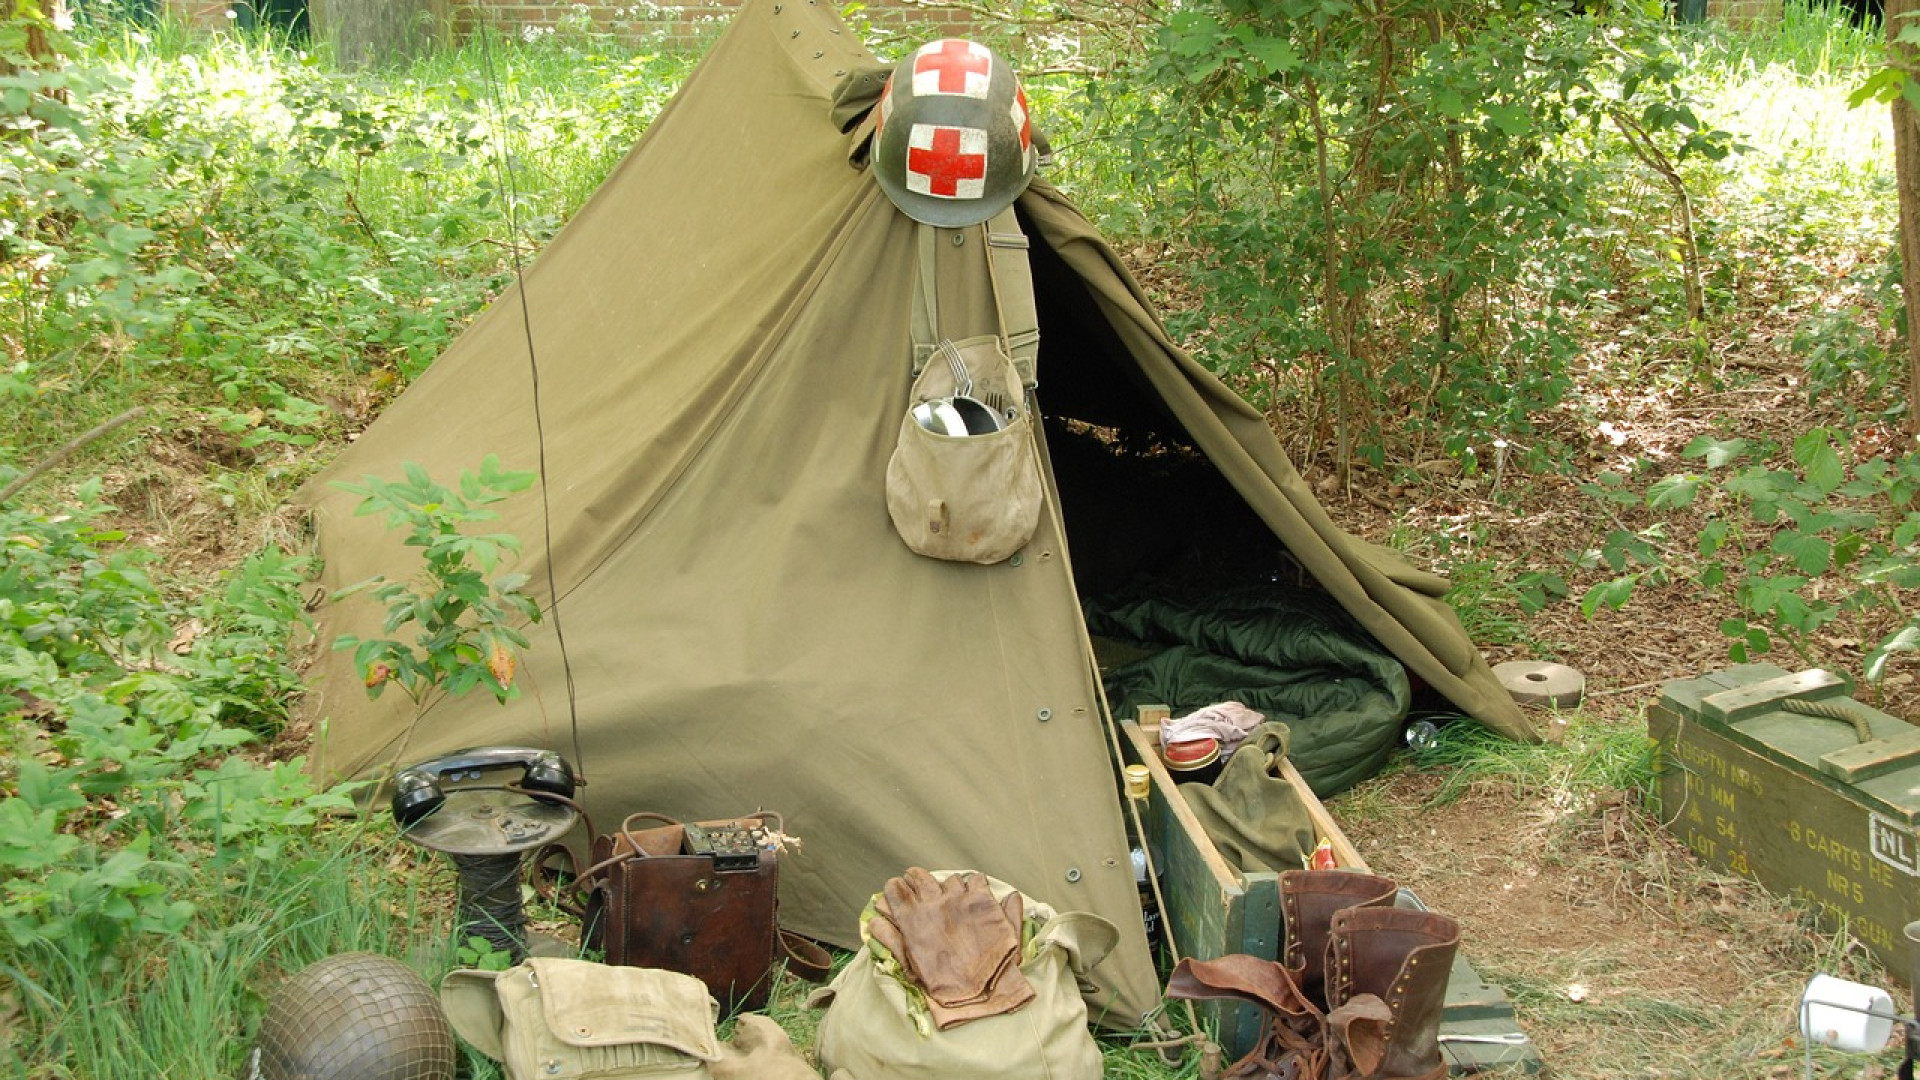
pixel 1809 721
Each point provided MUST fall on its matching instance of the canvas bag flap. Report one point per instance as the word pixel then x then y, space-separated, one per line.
pixel 473 1008
pixel 560 1018
pixel 761 1050
pixel 868 1032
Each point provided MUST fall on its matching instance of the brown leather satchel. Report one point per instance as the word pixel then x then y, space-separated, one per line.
pixel 700 898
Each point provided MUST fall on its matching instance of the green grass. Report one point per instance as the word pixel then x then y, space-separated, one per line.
pixel 1816 166
pixel 564 110
pixel 1813 42
pixel 185 1006
pixel 1592 756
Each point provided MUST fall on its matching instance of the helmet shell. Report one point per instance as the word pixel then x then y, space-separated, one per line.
pixel 954 144
pixel 353 1016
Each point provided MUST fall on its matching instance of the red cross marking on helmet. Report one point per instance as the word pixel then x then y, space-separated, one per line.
pixel 958 67
pixel 949 162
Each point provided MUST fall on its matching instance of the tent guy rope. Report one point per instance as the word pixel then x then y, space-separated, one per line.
pixel 504 181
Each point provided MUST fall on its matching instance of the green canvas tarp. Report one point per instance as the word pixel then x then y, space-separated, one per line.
pixel 722 341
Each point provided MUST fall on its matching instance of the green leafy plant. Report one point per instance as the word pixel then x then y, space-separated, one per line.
pixel 479 953
pixel 121 725
pixel 1844 351
pixel 1894 80
pixel 1390 204
pixel 465 624
pixel 1796 549
pixel 268 244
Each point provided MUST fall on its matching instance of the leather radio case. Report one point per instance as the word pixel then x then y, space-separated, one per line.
pixel 700 898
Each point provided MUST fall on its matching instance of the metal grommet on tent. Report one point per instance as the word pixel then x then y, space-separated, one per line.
pixel 959 239
pixel 1073 874
pixel 1045 715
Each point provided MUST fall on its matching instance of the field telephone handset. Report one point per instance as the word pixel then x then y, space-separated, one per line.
pixel 419 790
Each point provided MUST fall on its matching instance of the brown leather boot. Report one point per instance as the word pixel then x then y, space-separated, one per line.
pixel 1292 1043
pixel 1387 972
pixel 1308 899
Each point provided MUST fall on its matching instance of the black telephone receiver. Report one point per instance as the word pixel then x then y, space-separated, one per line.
pixel 421 789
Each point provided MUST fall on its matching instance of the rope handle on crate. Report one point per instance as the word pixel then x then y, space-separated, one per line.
pixel 1833 710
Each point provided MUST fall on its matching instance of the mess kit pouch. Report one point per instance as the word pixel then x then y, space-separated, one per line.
pixel 874 1029
pixel 699 898
pixel 971 498
pixel 968 498
pixel 556 1019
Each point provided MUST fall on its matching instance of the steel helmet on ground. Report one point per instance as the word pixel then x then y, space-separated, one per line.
pixel 954 144
pixel 353 1016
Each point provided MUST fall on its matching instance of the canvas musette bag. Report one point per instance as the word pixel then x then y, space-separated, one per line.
pixel 966 498
pixel 971 497
pixel 556 1019
pixel 875 1029
pixel 560 1019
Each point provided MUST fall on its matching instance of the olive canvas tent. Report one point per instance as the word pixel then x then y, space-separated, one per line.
pixel 722 341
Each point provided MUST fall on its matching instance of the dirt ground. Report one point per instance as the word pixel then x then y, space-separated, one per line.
pixel 1623 954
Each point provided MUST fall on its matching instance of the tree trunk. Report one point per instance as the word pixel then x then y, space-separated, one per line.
pixel 39 50
pixel 1906 163
pixel 379 32
pixel 37 46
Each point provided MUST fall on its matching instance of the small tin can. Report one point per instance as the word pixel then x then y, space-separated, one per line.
pixel 1193 762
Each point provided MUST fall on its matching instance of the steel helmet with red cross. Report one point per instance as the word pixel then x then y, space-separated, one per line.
pixel 954 145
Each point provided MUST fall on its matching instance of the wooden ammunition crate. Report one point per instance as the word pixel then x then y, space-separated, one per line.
pixel 1213 910
pixel 1785 779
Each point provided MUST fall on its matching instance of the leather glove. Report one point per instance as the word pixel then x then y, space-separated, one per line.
pixel 959 944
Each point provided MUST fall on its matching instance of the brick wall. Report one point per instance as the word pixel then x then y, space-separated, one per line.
pixel 1746 12
pixel 688 23
pixel 203 13
pixel 691 22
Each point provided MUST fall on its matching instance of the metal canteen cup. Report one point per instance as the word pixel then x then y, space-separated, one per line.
pixel 957 417
pixel 977 418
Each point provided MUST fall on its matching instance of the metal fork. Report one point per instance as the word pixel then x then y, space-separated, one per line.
pixel 962 378
pixel 995 398
pixel 992 397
